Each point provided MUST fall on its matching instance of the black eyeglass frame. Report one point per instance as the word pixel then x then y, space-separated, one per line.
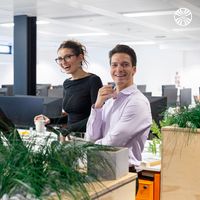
pixel 65 58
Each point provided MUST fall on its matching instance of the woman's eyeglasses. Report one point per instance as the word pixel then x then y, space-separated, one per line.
pixel 65 58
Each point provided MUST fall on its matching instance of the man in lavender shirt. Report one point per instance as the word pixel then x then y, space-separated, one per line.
pixel 121 116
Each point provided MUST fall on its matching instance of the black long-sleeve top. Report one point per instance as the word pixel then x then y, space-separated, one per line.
pixel 78 97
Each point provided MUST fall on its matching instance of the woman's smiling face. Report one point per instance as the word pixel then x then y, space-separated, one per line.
pixel 68 61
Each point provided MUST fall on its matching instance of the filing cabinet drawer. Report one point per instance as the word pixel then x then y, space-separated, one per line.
pixel 145 191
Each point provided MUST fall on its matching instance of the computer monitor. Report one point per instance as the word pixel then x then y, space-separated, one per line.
pixel 158 106
pixel 185 96
pixel 21 110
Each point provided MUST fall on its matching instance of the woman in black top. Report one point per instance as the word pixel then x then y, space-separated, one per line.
pixel 80 90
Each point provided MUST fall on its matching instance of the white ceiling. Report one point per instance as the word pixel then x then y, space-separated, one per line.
pixel 104 16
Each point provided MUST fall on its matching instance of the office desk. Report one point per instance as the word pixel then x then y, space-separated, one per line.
pixel 123 188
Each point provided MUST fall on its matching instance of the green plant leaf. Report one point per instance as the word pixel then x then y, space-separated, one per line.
pixel 49 169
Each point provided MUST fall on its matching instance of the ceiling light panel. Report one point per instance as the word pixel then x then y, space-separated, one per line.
pixel 149 13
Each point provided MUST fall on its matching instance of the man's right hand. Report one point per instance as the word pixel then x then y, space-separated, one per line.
pixel 106 92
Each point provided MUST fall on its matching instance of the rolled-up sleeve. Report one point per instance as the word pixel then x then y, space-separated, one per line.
pixel 94 124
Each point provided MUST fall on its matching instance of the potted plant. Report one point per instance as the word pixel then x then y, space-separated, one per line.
pixel 180 154
pixel 116 158
pixel 26 173
pixel 155 143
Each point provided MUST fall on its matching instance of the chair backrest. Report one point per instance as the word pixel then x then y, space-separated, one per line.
pixel 167 86
pixel 42 89
pixel 3 91
pixel 9 89
pixel 56 91
pixel 171 94
pixel 147 94
pixel 142 88
pixel 185 96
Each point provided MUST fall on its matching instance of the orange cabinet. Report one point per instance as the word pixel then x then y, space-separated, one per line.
pixel 156 186
pixel 145 191
pixel 149 185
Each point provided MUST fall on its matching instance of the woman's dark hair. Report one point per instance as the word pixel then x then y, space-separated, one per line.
pixel 120 48
pixel 76 47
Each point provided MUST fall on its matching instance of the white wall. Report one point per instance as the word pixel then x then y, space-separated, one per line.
pixel 6 69
pixel 191 70
pixel 47 69
pixel 157 67
pixel 154 68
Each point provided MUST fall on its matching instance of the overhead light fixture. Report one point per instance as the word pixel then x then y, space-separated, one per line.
pixel 160 36
pixel 10 25
pixel 140 43
pixel 86 34
pixel 7 25
pixel 186 29
pixel 148 14
pixel 42 22
pixel 5 49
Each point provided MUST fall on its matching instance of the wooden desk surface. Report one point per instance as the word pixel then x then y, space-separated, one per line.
pixel 108 186
pixel 149 157
pixel 123 188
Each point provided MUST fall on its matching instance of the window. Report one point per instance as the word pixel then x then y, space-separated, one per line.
pixel 5 49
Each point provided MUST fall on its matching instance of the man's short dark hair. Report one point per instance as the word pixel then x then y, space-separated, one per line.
pixel 120 48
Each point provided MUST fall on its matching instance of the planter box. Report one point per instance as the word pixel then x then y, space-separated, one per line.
pixel 180 178
pixel 108 165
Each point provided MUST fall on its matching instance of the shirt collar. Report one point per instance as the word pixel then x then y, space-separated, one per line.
pixel 129 90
